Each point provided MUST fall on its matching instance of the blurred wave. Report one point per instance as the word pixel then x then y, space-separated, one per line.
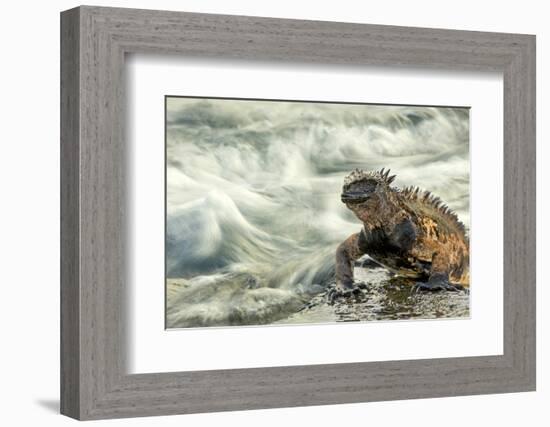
pixel 253 208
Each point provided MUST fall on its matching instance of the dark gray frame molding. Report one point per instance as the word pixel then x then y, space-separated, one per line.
pixel 94 41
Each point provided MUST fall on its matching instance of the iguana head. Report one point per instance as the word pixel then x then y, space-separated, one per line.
pixel 366 193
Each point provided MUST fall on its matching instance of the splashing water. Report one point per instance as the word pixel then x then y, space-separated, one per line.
pixel 253 195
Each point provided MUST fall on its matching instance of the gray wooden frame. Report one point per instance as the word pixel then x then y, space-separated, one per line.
pixel 94 382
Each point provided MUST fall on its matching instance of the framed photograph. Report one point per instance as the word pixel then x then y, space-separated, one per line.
pixel 261 213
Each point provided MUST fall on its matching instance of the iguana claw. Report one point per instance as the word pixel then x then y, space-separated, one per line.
pixel 344 291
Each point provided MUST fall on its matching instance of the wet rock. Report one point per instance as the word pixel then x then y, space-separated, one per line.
pixel 381 296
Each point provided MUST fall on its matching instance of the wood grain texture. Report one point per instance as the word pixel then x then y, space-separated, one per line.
pixel 94 382
pixel 70 292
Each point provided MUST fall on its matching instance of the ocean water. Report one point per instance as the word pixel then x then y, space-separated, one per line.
pixel 253 196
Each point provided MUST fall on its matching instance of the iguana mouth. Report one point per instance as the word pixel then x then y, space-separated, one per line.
pixel 354 197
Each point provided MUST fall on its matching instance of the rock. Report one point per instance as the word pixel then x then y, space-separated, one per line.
pixel 381 296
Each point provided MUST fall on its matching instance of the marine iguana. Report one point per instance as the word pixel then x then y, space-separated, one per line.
pixel 409 231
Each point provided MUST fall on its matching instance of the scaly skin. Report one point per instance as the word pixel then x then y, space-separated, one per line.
pixel 409 231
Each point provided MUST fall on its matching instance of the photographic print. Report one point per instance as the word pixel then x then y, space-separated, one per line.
pixel 301 212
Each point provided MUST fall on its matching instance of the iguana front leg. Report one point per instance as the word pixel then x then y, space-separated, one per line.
pixel 439 276
pixel 350 250
pixel 354 247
